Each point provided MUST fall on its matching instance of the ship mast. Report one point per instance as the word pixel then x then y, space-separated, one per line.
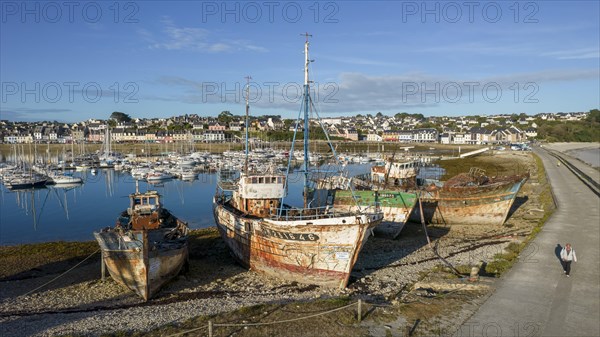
pixel 248 78
pixel 306 101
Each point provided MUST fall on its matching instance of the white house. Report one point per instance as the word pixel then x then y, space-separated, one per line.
pixel 373 137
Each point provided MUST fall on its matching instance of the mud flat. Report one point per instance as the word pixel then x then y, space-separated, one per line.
pixel 588 153
pixel 395 277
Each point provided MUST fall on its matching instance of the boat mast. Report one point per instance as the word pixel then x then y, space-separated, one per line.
pixel 248 78
pixel 306 101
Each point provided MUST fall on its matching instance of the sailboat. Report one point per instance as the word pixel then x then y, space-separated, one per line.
pixel 313 244
pixel 64 178
pixel 147 247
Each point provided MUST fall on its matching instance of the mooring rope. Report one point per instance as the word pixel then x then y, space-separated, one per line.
pixel 188 331
pixel 288 320
pixel 59 276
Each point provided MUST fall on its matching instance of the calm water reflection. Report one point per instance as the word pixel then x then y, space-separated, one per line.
pixel 74 213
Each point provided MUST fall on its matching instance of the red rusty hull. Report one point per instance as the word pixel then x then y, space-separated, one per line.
pixel 309 252
pixel 476 205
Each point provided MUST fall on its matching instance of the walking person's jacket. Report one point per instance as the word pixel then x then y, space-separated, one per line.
pixel 568 256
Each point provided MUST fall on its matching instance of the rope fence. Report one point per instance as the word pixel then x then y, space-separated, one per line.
pixel 211 326
pixel 61 275
pixel 359 304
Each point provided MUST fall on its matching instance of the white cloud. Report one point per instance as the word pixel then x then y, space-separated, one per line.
pixel 359 61
pixel 194 39
pixel 33 114
pixel 359 92
pixel 575 54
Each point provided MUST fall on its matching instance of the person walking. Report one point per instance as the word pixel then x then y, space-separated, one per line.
pixel 567 255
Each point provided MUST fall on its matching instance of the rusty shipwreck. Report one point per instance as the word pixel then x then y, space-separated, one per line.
pixel 389 188
pixel 147 247
pixel 313 244
pixel 471 198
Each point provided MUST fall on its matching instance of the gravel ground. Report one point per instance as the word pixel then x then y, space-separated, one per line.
pixel 385 267
pixel 80 303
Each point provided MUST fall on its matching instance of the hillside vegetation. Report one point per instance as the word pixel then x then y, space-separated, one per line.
pixel 587 130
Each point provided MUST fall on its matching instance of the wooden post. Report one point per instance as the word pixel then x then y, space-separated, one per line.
pixel 423 219
pixel 210 329
pixel 146 261
pixel 359 310
pixel 102 265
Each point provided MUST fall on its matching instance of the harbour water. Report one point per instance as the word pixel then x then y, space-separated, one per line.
pixel 73 213
pixel 63 213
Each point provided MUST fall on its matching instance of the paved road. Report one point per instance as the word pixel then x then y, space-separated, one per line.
pixel 535 298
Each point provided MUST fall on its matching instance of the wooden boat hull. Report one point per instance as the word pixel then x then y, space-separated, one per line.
pixel 320 251
pixel 395 205
pixel 138 264
pixel 478 205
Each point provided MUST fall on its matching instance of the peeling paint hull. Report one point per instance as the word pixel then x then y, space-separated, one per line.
pixel 477 205
pixel 142 269
pixel 319 251
pixel 396 207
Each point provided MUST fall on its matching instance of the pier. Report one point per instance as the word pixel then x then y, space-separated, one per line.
pixel 535 298
pixel 473 153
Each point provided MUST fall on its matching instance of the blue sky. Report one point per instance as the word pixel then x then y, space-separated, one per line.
pixel 159 59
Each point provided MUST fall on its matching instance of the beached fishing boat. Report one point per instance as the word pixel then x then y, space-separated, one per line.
pixel 147 247
pixel 396 206
pixel 388 188
pixel 315 245
pixel 470 198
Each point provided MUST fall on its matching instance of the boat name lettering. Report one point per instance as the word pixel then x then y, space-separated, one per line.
pixel 291 236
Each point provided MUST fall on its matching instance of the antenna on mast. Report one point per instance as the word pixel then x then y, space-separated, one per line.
pixel 248 78
pixel 306 60
pixel 307 36
pixel 306 124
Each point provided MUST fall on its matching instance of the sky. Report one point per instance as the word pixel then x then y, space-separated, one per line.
pixel 70 60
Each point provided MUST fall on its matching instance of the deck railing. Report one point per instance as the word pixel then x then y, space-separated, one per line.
pixel 311 213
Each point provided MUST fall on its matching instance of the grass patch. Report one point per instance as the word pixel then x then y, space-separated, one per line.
pixel 338 323
pixel 29 260
pixel 204 242
pixel 464 269
pixel 545 196
pixel 15 260
pixel 504 261
pixel 492 165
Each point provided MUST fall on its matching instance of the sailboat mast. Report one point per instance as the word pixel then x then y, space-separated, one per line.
pixel 248 78
pixel 306 101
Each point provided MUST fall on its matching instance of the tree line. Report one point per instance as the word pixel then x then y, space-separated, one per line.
pixel 587 130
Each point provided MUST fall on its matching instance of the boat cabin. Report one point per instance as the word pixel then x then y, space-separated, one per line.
pixel 144 210
pixel 395 172
pixel 259 195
